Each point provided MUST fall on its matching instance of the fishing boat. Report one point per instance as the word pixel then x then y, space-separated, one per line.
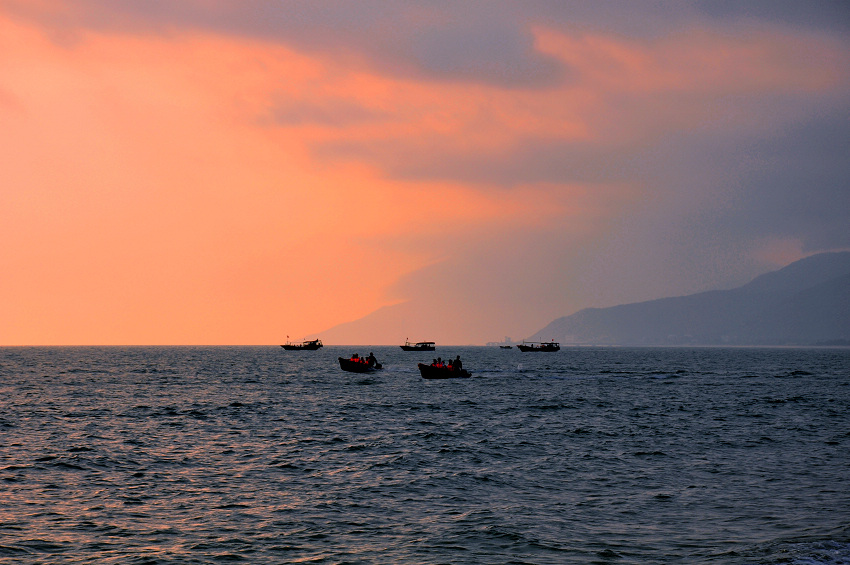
pixel 545 346
pixel 435 372
pixel 358 365
pixel 506 347
pixel 308 345
pixel 418 346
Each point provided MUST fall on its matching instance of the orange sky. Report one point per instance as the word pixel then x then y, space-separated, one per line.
pixel 199 187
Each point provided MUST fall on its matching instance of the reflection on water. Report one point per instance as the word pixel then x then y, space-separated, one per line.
pixel 186 455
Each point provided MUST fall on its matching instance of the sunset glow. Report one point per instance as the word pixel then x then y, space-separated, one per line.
pixel 176 182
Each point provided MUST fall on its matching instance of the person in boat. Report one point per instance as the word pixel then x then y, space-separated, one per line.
pixel 458 365
pixel 355 357
pixel 371 359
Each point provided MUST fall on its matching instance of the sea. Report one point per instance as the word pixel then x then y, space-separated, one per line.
pixel 172 455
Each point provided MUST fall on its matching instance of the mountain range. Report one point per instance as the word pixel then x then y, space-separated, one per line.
pixel 805 303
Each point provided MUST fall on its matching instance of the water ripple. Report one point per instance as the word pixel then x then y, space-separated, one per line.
pixel 198 455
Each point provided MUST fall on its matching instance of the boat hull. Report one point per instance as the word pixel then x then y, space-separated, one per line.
pixel 356 366
pixel 543 349
pixel 311 345
pixel 429 372
pixel 417 348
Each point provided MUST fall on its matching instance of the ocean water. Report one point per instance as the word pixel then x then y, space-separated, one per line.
pixel 260 455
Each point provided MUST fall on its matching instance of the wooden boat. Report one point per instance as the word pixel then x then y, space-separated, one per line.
pixel 418 346
pixel 434 372
pixel 309 345
pixel 357 366
pixel 545 346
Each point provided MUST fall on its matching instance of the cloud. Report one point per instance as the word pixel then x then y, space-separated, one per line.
pixel 251 165
pixel 794 184
pixel 440 41
pixel 490 43
pixel 628 96
pixel 707 159
pixel 340 113
pixel 831 15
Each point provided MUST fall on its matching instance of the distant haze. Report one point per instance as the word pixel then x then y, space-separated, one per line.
pixel 806 303
pixel 237 172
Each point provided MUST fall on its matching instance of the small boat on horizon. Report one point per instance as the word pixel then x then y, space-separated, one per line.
pixel 506 347
pixel 418 346
pixel 307 345
pixel 437 372
pixel 544 346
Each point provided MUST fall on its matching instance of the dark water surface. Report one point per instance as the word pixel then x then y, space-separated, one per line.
pixel 260 455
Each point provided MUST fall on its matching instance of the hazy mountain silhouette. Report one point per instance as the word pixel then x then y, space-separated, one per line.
pixel 807 302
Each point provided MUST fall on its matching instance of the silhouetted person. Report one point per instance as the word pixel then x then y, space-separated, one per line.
pixel 458 365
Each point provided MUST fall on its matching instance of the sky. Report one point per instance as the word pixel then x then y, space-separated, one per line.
pixel 247 171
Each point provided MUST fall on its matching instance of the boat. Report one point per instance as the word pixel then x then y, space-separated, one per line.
pixel 544 346
pixel 506 347
pixel 435 372
pixel 308 345
pixel 418 346
pixel 359 365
